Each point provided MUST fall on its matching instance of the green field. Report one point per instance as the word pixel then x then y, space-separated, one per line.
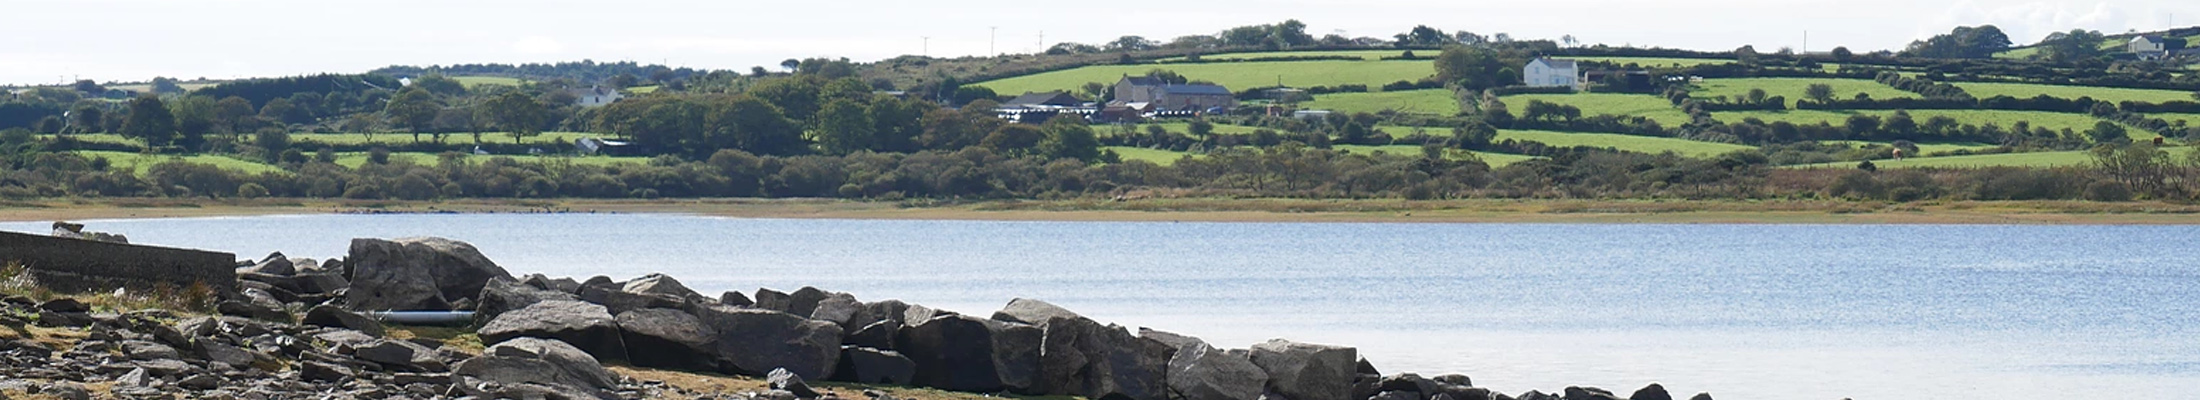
pixel 1493 159
pixel 1653 62
pixel 1236 76
pixel 2112 95
pixel 140 163
pixel 1426 101
pixel 1927 148
pixel 355 159
pixel 96 138
pixel 2039 159
pixel 1794 88
pixel 1363 54
pixel 1156 156
pixel 546 138
pixel 473 81
pixel 2050 120
pixel 1643 144
pixel 643 89
pixel 1592 104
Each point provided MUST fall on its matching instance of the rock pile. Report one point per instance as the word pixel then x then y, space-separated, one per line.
pixel 547 337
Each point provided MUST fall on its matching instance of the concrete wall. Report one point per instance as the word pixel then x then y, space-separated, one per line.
pixel 75 265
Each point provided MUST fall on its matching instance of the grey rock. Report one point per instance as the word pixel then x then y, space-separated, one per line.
pixel 877 335
pixel 1409 383
pixel 1032 312
pixel 1459 392
pixel 136 378
pixel 1084 358
pixel 65 305
pixel 1396 395
pixel 752 341
pixel 736 299
pixel 399 355
pixel 619 301
pixel 337 317
pixel 804 301
pixel 1305 371
pixel 1202 372
pixel 69 391
pixel 200 382
pixel 1453 379
pixel 257 304
pixel 1588 393
pixel 1701 396
pixel 345 337
pixel 780 379
pixel 501 295
pixel 773 300
pixel 889 310
pixel 839 309
pixel 316 371
pixel 1652 392
pixel 874 366
pixel 416 273
pixel 143 350
pixel 666 338
pixel 532 361
pixel 1173 340
pixel 561 284
pixel 964 353
pixel 216 351
pixel 1367 368
pixel 659 284
pixel 274 264
pixel 586 326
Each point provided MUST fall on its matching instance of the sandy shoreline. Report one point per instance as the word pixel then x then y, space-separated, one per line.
pixel 1199 210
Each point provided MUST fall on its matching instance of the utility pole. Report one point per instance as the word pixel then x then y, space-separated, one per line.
pixel 927 46
pixel 993 33
pixel 1806 41
pixel 1042 42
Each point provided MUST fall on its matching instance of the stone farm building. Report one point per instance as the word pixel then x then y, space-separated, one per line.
pixel 1164 96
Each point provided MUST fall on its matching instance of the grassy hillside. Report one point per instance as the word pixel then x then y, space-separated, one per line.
pixel 1236 76
pixel 1653 62
pixel 1644 144
pixel 1794 88
pixel 546 138
pixel 140 163
pixel 1363 54
pixel 1591 104
pixel 1927 148
pixel 1426 101
pixel 1156 156
pixel 2050 120
pixel 1166 157
pixel 473 81
pixel 354 160
pixel 2113 95
pixel 2040 159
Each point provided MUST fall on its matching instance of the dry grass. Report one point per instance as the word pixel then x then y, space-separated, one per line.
pixel 194 299
pixel 724 384
pixel 456 337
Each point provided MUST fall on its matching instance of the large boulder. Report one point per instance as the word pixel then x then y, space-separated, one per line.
pixel 1032 312
pixel 1589 393
pixel 768 299
pixel 969 354
pixel 1081 357
pixel 839 309
pixel 752 342
pixel 872 313
pixel 660 284
pixel 535 366
pixel 781 379
pixel 1202 372
pixel 1303 371
pixel 502 295
pixel 1652 392
pixel 667 338
pixel 588 327
pixel 873 366
pixel 334 317
pixel 416 273
pixel 619 300
pixel 274 264
pixel 804 301
pixel 399 355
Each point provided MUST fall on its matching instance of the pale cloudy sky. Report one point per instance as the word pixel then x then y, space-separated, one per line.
pixel 46 41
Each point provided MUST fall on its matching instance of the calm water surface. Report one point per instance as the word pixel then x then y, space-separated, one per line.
pixel 1742 311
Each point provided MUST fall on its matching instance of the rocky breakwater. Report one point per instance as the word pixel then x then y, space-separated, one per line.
pixel 545 337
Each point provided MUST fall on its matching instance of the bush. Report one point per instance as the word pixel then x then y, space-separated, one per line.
pixel 2107 191
pixel 251 191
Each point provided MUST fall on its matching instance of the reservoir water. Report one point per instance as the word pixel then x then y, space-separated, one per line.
pixel 1741 311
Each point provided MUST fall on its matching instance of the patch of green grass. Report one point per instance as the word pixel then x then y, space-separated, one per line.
pixel 1654 62
pixel 2036 160
pixel 1794 88
pixel 1493 159
pixel 474 81
pixel 1426 101
pixel 1643 144
pixel 1236 76
pixel 1927 148
pixel 643 89
pixel 1591 104
pixel 140 163
pixel 2113 95
pixel 96 138
pixel 1363 54
pixel 356 159
pixel 2051 120
pixel 1156 156
pixel 546 138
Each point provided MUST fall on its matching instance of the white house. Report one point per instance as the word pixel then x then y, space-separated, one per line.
pixel 2147 44
pixel 1550 72
pixel 596 96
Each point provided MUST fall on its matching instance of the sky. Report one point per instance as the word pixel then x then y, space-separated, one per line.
pixel 52 41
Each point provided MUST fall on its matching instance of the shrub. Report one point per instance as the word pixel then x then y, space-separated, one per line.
pixel 2107 191
pixel 251 191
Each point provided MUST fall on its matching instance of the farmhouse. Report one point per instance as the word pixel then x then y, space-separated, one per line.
pixel 595 96
pixel 1043 100
pixel 2153 46
pixel 1551 72
pixel 1173 97
pixel 594 146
